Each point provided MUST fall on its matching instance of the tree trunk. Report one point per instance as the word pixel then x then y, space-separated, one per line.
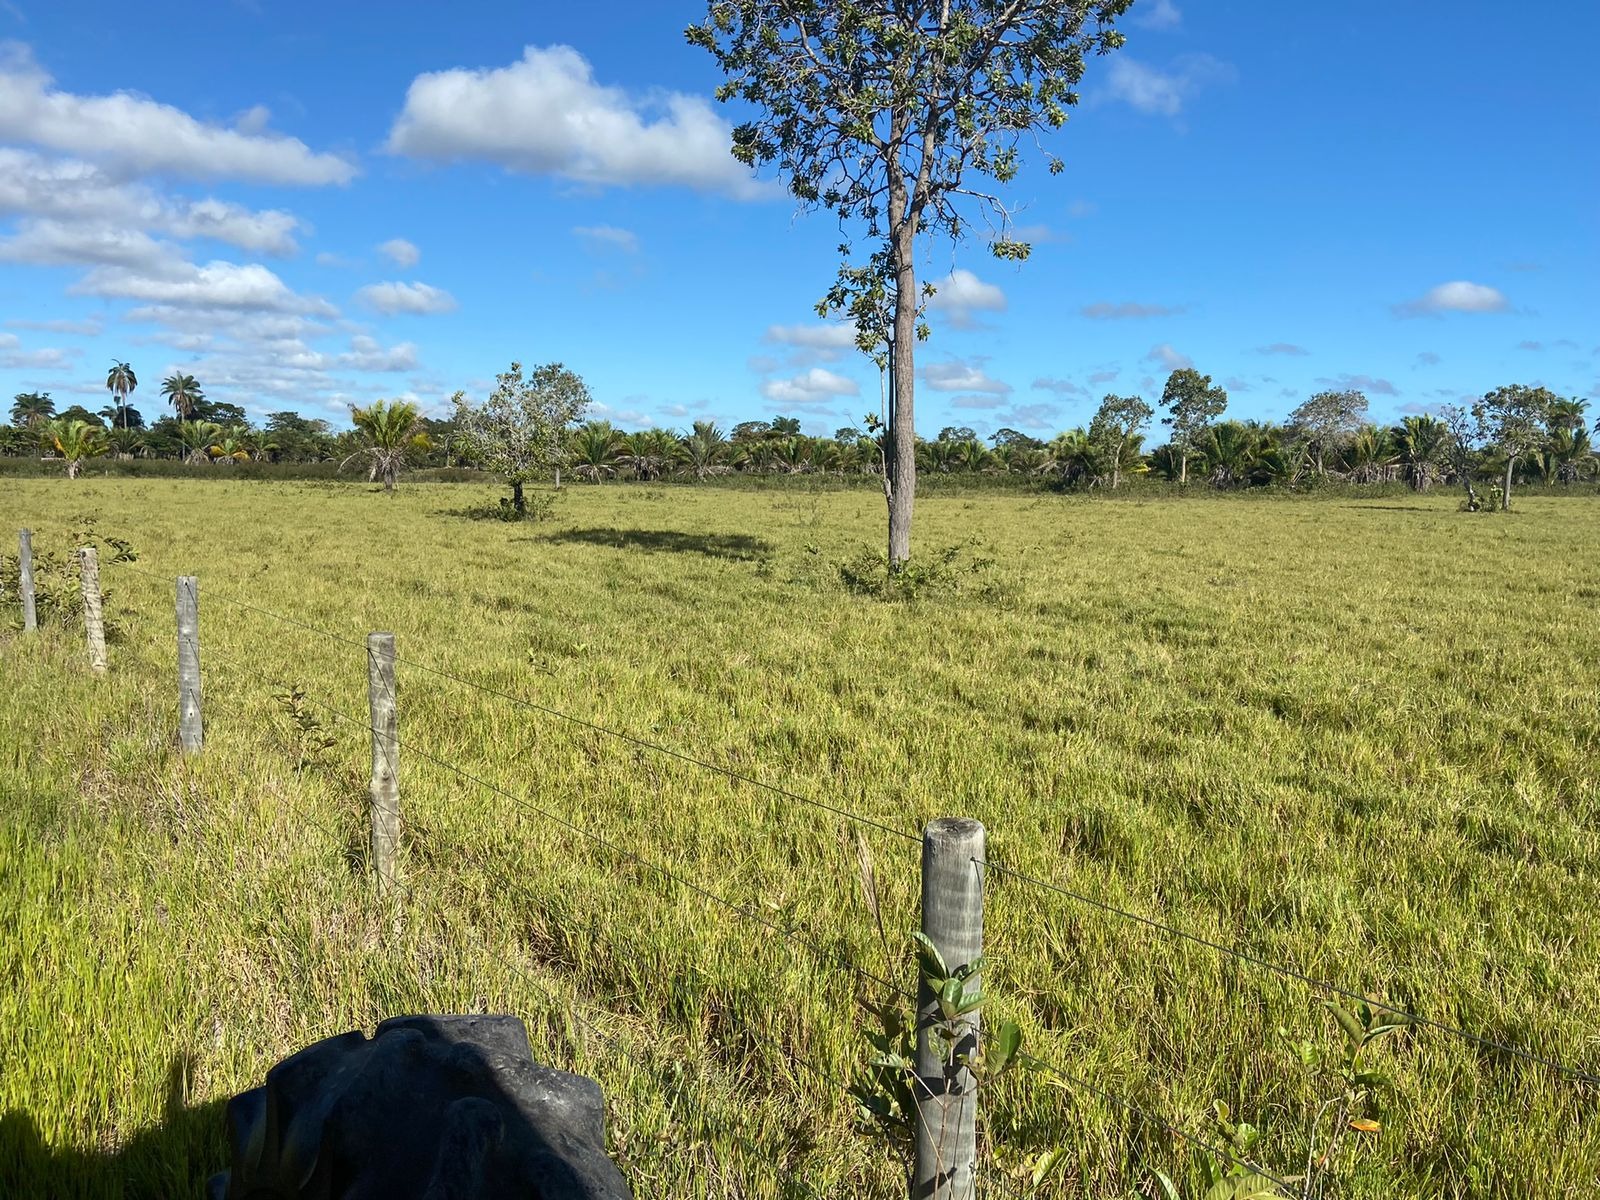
pixel 388 478
pixel 72 468
pixel 558 479
pixel 902 456
pixel 518 502
pixel 1505 496
pixel 1183 467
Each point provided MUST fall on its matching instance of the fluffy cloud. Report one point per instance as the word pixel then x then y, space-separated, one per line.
pixel 90 327
pixel 180 284
pixel 1162 15
pixel 816 386
pixel 70 190
pixel 608 237
pixel 958 376
pixel 1104 375
pixel 1360 383
pixel 546 114
pixel 1127 311
pixel 1456 296
pixel 960 294
pixel 1288 349
pixel 1150 90
pixel 1427 358
pixel 832 336
pixel 400 252
pixel 61 243
pixel 1061 387
pixel 1167 358
pixel 136 135
pixel 418 299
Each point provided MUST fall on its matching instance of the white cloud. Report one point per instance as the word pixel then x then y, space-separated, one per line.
pixel 1151 90
pixel 1360 383
pixel 136 135
pixel 1167 358
pixel 420 299
pixel 1285 348
pixel 1126 311
pixel 960 294
pixel 225 285
pixel 833 336
pixel 1061 387
pixel 1427 358
pixel 60 243
pixel 600 236
pixel 816 386
pixel 546 114
pixel 69 190
pixel 958 376
pixel 1456 296
pixel 37 360
pixel 400 252
pixel 1104 375
pixel 1161 15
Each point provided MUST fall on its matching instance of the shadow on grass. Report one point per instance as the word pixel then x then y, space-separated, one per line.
pixel 738 546
pixel 1422 508
pixel 173 1159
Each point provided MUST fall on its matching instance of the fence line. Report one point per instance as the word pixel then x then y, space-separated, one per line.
pixel 1289 972
pixel 533 706
pixel 386 741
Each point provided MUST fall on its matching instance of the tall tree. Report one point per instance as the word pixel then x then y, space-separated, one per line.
pixel 183 392
pixel 1462 449
pixel 1327 417
pixel 393 432
pixel 32 409
pixel 1192 403
pixel 1119 420
pixel 121 382
pixel 522 428
pixel 883 111
pixel 1514 419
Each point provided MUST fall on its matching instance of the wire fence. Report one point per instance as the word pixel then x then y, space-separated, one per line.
pixel 796 938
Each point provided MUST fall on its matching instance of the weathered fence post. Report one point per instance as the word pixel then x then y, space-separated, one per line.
pixel 30 614
pixel 385 788
pixel 191 727
pixel 94 623
pixel 947 1092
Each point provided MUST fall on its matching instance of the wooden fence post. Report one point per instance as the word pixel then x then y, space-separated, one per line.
pixel 191 727
pixel 30 614
pixel 94 624
pixel 384 790
pixel 947 1093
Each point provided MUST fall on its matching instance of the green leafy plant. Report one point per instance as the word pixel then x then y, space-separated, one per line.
pixel 310 735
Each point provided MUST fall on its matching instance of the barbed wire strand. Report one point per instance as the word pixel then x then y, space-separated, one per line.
pixel 788 932
pixel 1292 973
pixel 534 706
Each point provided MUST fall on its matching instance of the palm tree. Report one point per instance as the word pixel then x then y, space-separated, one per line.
pixel 1073 455
pixel 1568 455
pixel 75 441
pixel 183 393
pixel 1230 449
pixel 594 450
pixel 792 455
pixel 1419 444
pixel 231 446
pixel 1370 456
pixel 1568 413
pixel 127 442
pixel 650 453
pixel 197 438
pixel 705 448
pixel 121 381
pixel 391 428
pixel 32 408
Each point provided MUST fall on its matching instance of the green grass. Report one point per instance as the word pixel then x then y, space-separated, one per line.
pixel 1355 737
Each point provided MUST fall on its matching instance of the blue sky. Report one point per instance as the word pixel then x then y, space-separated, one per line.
pixel 312 205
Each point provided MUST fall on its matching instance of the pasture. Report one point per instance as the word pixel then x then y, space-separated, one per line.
pixel 1356 737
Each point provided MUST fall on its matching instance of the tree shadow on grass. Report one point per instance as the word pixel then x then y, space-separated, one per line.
pixel 1421 508
pixel 171 1160
pixel 739 546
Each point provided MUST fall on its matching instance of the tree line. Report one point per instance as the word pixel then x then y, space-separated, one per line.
pixel 531 427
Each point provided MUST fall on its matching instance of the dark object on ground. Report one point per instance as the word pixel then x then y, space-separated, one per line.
pixel 428 1108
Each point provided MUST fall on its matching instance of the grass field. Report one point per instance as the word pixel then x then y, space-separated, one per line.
pixel 1356 737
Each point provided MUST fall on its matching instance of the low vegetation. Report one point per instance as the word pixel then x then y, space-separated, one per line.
pixel 1356 737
